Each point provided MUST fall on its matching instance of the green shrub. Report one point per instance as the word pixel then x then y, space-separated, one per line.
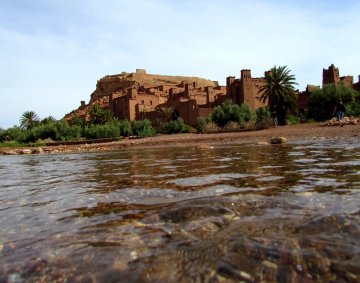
pixel 175 126
pixel 263 118
pixel 201 124
pixel 293 119
pixel 109 130
pixel 56 131
pixel 229 111
pixel 11 134
pixel 246 114
pixel 159 125
pixel 125 128
pixel 143 128
pixel 99 115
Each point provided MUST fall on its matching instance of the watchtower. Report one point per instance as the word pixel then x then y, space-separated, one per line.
pixel 247 89
pixel 331 75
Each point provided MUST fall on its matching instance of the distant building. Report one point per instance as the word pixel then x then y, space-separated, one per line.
pixel 245 89
pixel 136 96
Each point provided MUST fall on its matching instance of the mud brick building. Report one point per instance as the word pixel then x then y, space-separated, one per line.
pixel 138 95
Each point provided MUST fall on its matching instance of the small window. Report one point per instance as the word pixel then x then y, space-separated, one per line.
pixel 142 102
pixel 150 102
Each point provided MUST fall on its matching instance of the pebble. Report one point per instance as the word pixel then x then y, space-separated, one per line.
pixel 15 278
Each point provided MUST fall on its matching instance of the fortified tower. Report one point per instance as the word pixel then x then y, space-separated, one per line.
pixel 247 95
pixel 331 75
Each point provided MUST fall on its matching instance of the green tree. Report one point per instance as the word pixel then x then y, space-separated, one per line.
pixel 99 115
pixel 166 113
pixel 11 134
pixel 322 101
pixel 28 120
pixel 279 91
pixel 48 120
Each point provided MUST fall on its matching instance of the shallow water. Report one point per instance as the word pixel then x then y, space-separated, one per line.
pixel 286 213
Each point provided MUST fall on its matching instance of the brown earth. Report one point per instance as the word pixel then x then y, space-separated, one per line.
pixel 299 132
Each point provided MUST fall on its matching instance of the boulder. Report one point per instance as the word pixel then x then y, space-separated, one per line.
pixel 25 151
pixel 37 150
pixel 278 140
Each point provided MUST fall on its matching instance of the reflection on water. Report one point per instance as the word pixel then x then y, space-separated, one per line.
pixel 233 213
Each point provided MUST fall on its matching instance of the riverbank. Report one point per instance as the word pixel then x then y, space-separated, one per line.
pixel 290 132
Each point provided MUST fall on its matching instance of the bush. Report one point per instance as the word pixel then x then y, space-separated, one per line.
pixel 201 125
pixel 109 130
pixel 293 119
pixel 263 118
pixel 246 114
pixel 125 128
pixel 143 128
pixel 11 134
pixel 230 111
pixel 159 125
pixel 176 126
pixel 56 131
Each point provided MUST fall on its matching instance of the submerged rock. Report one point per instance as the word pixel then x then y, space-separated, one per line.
pixel 204 146
pixel 278 140
pixel 37 150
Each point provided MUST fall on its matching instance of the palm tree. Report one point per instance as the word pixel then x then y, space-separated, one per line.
pixel 48 120
pixel 279 91
pixel 29 119
pixel 166 112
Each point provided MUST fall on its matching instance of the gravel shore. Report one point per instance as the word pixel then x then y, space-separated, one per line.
pixel 298 132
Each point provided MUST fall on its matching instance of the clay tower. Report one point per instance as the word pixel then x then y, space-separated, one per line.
pixel 331 75
pixel 247 88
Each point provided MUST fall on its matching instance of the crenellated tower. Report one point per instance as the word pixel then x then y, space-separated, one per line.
pixel 331 75
pixel 247 94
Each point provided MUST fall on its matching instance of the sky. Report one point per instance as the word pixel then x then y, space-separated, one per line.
pixel 53 52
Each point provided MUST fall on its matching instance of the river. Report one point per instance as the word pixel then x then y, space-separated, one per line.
pixel 251 213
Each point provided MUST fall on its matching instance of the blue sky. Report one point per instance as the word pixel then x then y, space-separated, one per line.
pixel 53 52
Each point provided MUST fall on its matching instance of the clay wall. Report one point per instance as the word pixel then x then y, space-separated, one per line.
pixel 188 111
pixel 205 112
pixel 147 102
pixel 347 80
pixel 124 108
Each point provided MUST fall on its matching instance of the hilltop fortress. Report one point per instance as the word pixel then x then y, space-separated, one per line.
pixel 138 95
